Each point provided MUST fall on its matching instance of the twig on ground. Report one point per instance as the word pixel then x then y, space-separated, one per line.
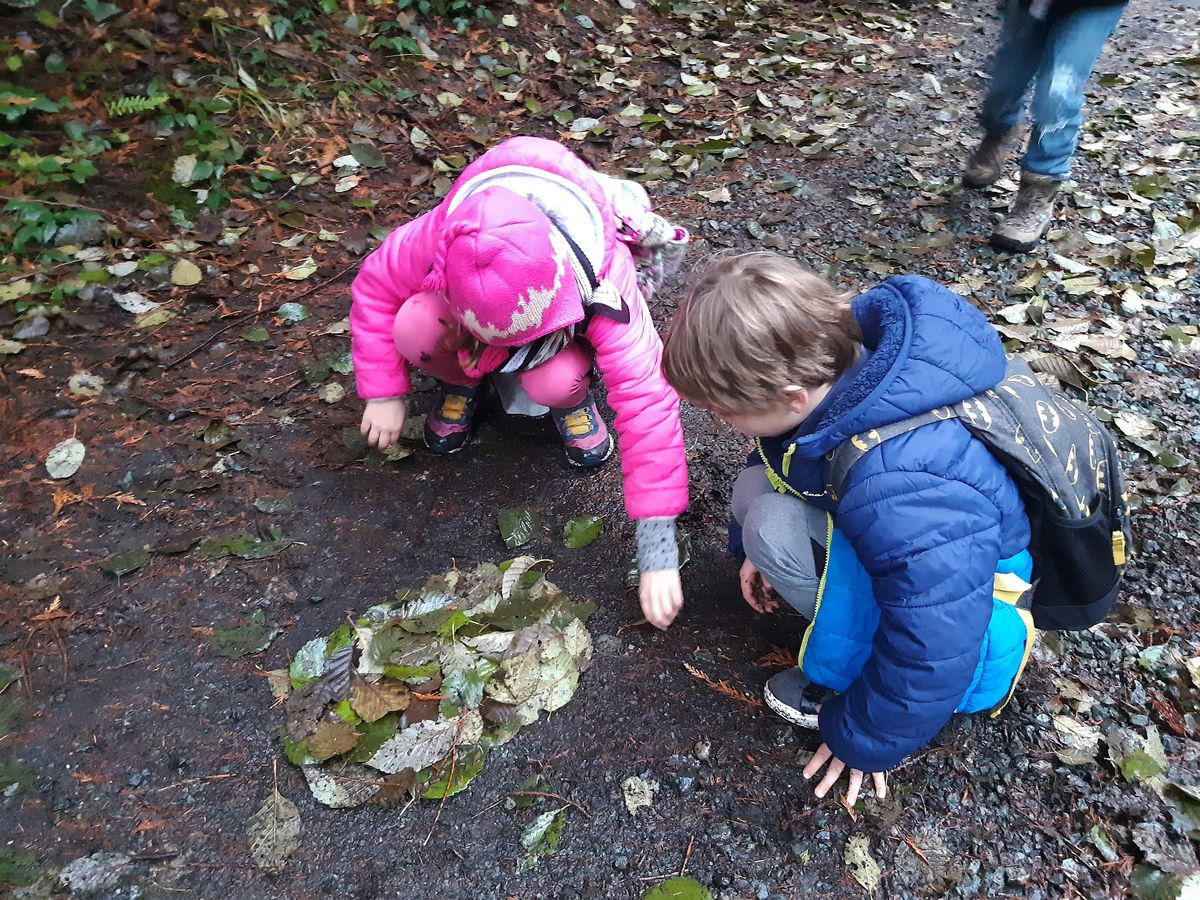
pixel 551 796
pixel 187 781
pixel 687 855
pixel 251 315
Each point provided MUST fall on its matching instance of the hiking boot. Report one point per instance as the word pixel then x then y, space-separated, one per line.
pixel 1031 214
pixel 585 437
pixel 986 164
pixel 448 427
pixel 793 696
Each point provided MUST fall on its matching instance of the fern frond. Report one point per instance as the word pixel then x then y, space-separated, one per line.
pixel 132 106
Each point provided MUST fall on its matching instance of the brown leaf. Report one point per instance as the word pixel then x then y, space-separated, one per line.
pixel 332 739
pixel 394 789
pixel 1170 715
pixel 375 700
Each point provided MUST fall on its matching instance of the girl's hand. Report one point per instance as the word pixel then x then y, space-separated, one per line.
pixel 383 420
pixel 662 597
pixel 834 772
pixel 756 591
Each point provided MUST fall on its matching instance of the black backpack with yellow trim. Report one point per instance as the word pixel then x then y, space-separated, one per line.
pixel 1065 464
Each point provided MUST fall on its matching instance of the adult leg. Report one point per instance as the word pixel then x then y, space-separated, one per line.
pixel 1072 47
pixel 1014 65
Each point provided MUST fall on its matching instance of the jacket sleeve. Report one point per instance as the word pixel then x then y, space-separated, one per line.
pixel 930 544
pixel 650 435
pixel 388 277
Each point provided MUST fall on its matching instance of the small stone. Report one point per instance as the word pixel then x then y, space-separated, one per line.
pixel 702 751
pixel 315 599
pixel 621 863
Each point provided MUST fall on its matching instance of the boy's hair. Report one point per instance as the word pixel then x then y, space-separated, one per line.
pixel 752 324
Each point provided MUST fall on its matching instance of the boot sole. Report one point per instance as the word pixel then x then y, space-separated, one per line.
pixel 1000 242
pixel 781 709
pixel 973 185
pixel 605 458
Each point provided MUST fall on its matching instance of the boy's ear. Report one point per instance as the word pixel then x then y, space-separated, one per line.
pixel 796 397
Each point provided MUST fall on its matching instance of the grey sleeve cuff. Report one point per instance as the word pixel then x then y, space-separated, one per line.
pixel 381 399
pixel 656 547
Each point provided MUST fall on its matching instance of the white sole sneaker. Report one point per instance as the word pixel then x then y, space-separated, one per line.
pixel 781 709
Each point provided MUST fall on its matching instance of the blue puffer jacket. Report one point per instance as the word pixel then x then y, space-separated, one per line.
pixel 930 514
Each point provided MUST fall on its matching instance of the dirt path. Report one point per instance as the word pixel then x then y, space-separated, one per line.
pixel 142 742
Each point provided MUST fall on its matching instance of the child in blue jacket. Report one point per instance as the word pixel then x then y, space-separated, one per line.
pixel 912 570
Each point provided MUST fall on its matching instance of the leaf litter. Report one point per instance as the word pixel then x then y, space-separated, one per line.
pixel 408 700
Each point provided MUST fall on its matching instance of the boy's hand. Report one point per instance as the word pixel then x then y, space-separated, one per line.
pixel 661 594
pixel 834 772
pixel 383 421
pixel 761 597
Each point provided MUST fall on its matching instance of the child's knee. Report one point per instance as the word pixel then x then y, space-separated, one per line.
pixel 561 381
pixel 749 487
pixel 769 528
pixel 419 327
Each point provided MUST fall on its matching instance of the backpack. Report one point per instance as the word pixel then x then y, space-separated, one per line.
pixel 1065 465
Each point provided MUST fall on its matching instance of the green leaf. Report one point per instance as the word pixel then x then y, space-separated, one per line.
pixel 218 434
pixel 242 545
pixel 678 889
pixel 296 751
pixel 15 777
pixel 541 838
pixel 1148 883
pixel 18 868
pixel 255 333
pixel 517 526
pixel 368 155
pixel 582 531
pixel 466 766
pixel 292 312
pixel 253 636
pixel 123 563
pixel 11 712
pixel 310 660
pixel 374 735
pixel 465 687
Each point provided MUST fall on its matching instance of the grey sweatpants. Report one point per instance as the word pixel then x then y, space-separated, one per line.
pixel 778 532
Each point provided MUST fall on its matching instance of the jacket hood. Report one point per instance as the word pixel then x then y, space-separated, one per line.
pixel 929 348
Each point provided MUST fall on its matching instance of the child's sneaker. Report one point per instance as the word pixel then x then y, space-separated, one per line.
pixel 448 427
pixel 584 434
pixel 793 696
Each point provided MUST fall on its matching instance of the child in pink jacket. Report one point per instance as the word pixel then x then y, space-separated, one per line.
pixel 524 275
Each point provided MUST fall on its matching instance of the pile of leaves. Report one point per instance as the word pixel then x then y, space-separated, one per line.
pixel 407 701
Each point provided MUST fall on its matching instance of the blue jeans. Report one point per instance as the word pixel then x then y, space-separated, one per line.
pixel 1057 56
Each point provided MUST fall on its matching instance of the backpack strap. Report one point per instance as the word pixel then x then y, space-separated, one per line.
pixel 842 458
pixel 601 297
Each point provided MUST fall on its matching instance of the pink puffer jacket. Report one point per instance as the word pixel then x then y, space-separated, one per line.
pixel 628 355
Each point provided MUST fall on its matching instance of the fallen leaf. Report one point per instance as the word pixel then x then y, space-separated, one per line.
pixel 300 271
pixel 581 531
pixel 120 564
pixel 1079 742
pixel 638 793
pixel 274 832
pixel 517 526
pixel 65 459
pixel 374 700
pixel 540 839
pixel 862 864
pixel 332 739
pixel 185 273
